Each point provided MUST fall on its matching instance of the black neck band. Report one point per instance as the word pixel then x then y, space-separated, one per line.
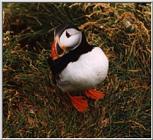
pixel 58 65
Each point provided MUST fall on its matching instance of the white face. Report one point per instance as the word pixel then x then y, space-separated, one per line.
pixel 70 38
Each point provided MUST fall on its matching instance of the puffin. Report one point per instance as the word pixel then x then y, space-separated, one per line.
pixel 77 67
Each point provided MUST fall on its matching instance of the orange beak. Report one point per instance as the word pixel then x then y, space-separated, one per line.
pixel 53 54
pixel 57 50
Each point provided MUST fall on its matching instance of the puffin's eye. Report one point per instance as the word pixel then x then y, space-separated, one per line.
pixel 67 34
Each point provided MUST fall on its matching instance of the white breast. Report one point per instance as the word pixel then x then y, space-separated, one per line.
pixel 88 71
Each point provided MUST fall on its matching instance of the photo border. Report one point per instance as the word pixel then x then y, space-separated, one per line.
pixel 1 59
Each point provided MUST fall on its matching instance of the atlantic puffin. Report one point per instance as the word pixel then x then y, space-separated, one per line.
pixel 77 67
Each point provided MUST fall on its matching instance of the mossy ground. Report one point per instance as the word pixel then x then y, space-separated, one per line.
pixel 32 107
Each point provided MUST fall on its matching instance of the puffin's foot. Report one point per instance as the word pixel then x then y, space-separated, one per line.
pixel 94 94
pixel 79 102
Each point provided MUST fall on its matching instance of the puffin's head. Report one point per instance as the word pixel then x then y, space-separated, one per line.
pixel 66 38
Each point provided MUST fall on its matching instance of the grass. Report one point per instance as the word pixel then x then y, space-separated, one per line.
pixel 33 107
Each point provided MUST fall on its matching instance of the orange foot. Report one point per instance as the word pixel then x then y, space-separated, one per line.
pixel 79 102
pixel 94 94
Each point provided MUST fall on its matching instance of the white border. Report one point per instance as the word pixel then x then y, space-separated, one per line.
pixel 77 1
pixel 1 107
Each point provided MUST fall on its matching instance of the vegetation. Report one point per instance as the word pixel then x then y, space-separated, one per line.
pixel 33 107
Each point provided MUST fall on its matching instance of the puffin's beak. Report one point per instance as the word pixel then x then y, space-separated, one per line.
pixel 57 50
pixel 53 53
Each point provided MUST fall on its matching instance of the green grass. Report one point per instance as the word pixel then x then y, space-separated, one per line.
pixel 33 107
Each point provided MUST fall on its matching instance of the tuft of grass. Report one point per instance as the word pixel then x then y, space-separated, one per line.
pixel 34 108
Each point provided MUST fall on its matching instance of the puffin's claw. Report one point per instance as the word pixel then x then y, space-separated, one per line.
pixel 79 102
pixel 94 94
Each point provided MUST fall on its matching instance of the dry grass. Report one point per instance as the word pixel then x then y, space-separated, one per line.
pixel 33 107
